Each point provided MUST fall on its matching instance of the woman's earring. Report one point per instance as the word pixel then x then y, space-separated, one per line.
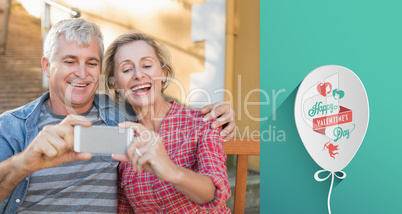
pixel 164 83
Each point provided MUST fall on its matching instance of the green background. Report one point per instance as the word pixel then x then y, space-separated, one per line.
pixel 364 36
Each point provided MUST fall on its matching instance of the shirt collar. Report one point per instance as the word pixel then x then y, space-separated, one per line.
pixel 25 111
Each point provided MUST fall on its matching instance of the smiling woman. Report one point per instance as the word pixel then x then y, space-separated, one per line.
pixel 156 53
pixel 182 156
pixel 144 68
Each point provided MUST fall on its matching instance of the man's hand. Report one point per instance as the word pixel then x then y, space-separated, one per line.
pixel 225 117
pixel 52 146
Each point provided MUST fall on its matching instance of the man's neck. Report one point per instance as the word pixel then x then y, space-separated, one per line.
pixel 61 109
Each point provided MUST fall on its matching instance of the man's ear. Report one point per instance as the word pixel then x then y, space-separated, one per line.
pixel 45 66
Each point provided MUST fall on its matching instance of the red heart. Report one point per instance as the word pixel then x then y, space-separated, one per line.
pixel 324 88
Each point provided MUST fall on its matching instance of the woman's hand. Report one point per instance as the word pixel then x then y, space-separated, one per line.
pixel 147 152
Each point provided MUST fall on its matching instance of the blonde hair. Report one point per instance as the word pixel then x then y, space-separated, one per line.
pixel 161 52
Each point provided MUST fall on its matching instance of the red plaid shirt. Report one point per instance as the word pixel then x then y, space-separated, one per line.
pixel 190 143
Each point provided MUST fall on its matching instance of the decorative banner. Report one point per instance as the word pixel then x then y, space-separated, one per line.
pixel 331 114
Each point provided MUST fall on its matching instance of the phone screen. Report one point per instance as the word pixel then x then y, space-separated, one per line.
pixel 102 139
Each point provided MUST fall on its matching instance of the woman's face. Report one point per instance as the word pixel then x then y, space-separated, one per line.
pixel 138 74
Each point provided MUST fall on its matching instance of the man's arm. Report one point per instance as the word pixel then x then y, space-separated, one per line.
pixel 225 117
pixel 11 174
pixel 50 148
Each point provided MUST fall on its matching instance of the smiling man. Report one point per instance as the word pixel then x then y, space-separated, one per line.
pixel 73 73
pixel 39 171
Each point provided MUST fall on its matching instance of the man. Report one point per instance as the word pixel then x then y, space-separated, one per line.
pixel 39 172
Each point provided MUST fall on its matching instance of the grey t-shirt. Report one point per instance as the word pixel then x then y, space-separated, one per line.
pixel 74 187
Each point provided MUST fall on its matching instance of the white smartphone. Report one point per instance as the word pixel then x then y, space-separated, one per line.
pixel 102 139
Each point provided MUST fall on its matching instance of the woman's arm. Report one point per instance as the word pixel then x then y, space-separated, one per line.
pixel 199 188
pixel 154 158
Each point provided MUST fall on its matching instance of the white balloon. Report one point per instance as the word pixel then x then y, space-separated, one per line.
pixel 331 114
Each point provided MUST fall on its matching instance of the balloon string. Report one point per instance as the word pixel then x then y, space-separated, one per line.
pixel 332 174
pixel 329 194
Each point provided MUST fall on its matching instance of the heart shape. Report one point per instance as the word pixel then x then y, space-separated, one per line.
pixel 339 92
pixel 324 88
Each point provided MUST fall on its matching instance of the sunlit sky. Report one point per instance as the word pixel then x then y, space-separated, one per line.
pixel 34 7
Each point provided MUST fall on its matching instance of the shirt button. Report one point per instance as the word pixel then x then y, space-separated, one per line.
pixel 18 200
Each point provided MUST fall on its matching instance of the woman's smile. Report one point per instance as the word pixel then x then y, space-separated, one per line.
pixel 141 88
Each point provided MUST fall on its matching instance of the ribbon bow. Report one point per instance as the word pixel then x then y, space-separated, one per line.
pixel 317 178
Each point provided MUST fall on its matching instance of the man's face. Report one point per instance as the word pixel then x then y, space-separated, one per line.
pixel 73 75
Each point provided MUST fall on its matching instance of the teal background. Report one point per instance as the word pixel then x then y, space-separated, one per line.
pixel 299 36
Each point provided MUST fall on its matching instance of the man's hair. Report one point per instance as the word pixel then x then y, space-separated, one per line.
pixel 77 30
pixel 161 52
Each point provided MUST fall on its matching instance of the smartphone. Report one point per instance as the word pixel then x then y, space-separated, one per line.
pixel 102 139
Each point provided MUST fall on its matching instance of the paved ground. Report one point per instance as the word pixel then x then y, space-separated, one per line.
pixel 20 69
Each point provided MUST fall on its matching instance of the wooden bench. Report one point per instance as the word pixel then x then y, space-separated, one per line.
pixel 242 148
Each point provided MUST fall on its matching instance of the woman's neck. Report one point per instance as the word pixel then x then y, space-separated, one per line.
pixel 152 116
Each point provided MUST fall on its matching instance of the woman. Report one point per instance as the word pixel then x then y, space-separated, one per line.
pixel 183 157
